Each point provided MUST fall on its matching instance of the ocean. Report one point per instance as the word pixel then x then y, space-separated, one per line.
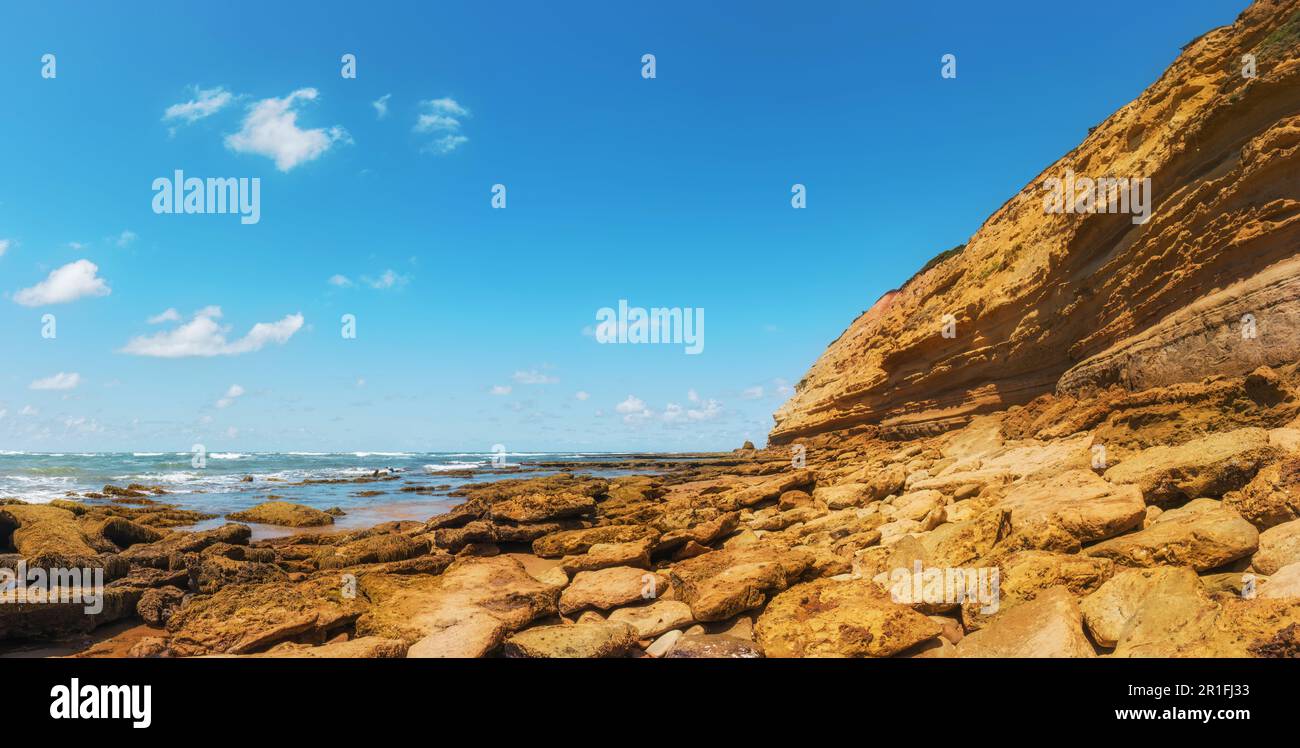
pixel 220 487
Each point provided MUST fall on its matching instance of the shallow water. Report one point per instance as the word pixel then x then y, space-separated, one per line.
pixel 219 487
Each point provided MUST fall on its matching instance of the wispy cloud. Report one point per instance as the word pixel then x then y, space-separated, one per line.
pixel 60 381
pixel 204 336
pixel 271 129
pixel 206 102
pixel 342 281
pixel 533 376
pixel 386 279
pixel 5 244
pixel 125 238
pixel 381 106
pixel 633 409
pixel 500 389
pixel 167 315
pixel 71 282
pixel 442 119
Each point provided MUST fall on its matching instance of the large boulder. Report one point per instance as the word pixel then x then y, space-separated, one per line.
pixel 1108 610
pixel 42 531
pixel 614 587
pixel 1206 467
pixel 1203 534
pixel 1278 546
pixel 1023 575
pixel 724 583
pixel 849 618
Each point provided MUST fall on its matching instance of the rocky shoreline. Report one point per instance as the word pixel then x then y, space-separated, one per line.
pixel 1167 551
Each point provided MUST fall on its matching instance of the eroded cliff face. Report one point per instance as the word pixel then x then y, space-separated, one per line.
pixel 1076 302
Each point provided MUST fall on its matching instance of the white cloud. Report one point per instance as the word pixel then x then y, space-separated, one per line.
pixel 28 411
pixel 533 376
pixel 125 238
pixel 581 395
pixel 5 244
pixel 782 387
pixel 711 410
pixel 206 102
pixel 693 396
pixel 68 283
pixel 167 315
pixel 442 117
pixel 500 389
pixel 633 409
pixel 752 393
pixel 271 129
pixel 342 281
pixel 60 381
pixel 381 106
pixel 232 394
pixel 203 336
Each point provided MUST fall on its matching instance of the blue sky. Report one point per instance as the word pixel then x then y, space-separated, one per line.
pixel 671 192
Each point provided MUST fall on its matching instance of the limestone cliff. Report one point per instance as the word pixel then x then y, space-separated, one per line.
pixel 1072 302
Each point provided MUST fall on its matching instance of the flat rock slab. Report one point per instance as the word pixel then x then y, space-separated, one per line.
pixel 248 618
pixel 467 611
pixel 542 507
pixel 827 618
pixel 1203 535
pixel 599 639
pixel 1077 501
pixel 573 542
pixel 713 647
